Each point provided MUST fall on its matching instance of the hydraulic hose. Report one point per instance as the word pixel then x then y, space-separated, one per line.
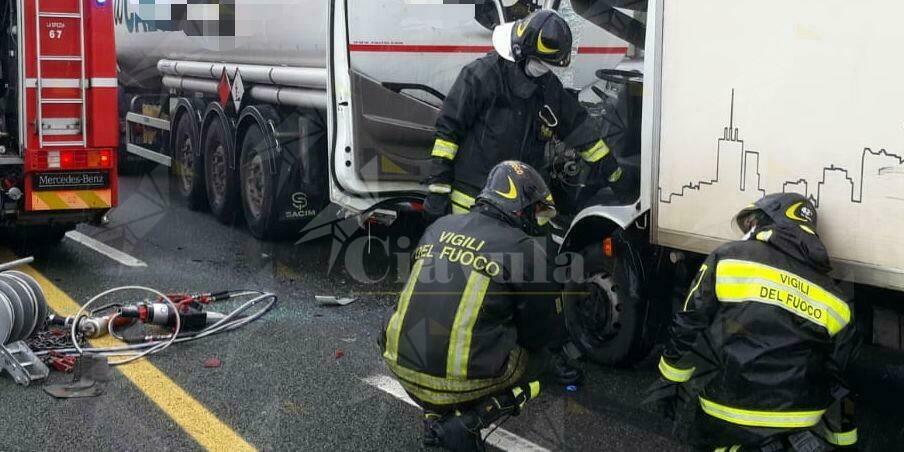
pixel 229 322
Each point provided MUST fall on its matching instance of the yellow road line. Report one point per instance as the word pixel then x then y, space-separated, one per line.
pixel 202 425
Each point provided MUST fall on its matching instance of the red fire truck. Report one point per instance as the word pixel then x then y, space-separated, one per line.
pixel 58 113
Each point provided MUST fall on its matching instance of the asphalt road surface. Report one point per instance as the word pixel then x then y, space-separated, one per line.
pixel 303 377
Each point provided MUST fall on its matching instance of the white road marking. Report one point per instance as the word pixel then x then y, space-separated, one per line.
pixel 501 438
pixel 105 249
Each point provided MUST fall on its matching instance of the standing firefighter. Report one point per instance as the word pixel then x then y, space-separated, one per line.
pixel 507 105
pixel 466 339
pixel 766 336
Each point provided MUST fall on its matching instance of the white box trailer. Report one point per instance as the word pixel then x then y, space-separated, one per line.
pixel 741 99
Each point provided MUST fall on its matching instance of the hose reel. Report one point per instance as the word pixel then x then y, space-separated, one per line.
pixel 23 311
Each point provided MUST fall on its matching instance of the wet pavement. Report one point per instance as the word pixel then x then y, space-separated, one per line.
pixel 294 380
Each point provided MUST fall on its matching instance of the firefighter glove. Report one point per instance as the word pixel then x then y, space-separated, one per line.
pixel 436 205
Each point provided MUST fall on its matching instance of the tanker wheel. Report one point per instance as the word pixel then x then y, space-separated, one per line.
pixel 222 181
pixel 187 172
pixel 258 185
pixel 605 320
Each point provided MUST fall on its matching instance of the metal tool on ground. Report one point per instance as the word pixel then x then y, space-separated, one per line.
pixel 190 310
pixel 23 310
pixel 328 300
pixel 90 327
pixel 90 372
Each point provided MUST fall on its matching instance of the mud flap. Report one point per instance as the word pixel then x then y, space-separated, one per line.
pixel 301 166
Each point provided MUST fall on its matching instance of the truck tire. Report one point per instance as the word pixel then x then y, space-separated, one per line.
pixel 258 185
pixel 222 178
pixel 187 172
pixel 605 320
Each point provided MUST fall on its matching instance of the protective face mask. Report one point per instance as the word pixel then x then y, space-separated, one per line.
pixel 749 233
pixel 536 68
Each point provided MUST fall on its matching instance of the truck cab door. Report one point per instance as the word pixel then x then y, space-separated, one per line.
pixel 391 63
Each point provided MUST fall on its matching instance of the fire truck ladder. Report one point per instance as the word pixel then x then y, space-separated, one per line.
pixel 47 127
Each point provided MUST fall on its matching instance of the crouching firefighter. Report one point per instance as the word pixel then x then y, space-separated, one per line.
pixel 764 339
pixel 508 105
pixel 469 335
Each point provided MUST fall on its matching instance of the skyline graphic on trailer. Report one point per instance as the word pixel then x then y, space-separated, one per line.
pixel 749 158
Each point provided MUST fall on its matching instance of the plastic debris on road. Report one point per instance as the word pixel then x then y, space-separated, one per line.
pixel 212 363
pixel 327 300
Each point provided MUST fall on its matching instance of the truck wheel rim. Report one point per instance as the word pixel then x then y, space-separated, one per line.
pixel 254 186
pixel 601 309
pixel 185 163
pixel 218 170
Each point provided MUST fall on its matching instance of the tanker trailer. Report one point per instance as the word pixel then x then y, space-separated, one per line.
pixel 271 110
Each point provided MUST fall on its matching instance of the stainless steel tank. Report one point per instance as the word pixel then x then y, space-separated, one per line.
pixel 260 32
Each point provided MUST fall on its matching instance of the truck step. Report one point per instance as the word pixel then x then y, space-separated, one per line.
pixel 49 144
pixel 61 101
pixel 61 15
pixel 61 58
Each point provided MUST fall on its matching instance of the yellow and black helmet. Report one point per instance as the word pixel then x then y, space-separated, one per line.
pixel 784 208
pixel 543 35
pixel 519 192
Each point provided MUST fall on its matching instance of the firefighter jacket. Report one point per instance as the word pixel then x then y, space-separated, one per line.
pixel 479 298
pixel 495 112
pixel 773 330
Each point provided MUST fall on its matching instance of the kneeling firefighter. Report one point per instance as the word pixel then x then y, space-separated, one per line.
pixel 468 337
pixel 764 339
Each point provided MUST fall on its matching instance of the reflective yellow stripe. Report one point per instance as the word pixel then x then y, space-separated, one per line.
pixel 541 47
pixel 394 329
pixel 596 153
pixel 463 325
pixel 740 281
pixel 734 448
pixel 534 389
pixel 848 438
pixel 71 199
pixel 461 203
pixel 444 149
pixel 439 188
pixel 690 294
pixel 764 236
pixel 675 374
pixel 92 199
pixel 444 391
pixel 751 418
pixel 616 175
pixel 458 210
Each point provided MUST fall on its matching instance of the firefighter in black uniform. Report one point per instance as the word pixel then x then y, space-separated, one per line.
pixel 506 106
pixel 764 339
pixel 480 306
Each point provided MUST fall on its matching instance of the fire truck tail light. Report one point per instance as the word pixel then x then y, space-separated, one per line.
pixel 99 159
pixel 53 159
pixel 66 159
pixel 73 159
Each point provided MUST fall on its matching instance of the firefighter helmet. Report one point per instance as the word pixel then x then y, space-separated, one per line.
pixel 519 192
pixel 543 35
pixel 785 208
